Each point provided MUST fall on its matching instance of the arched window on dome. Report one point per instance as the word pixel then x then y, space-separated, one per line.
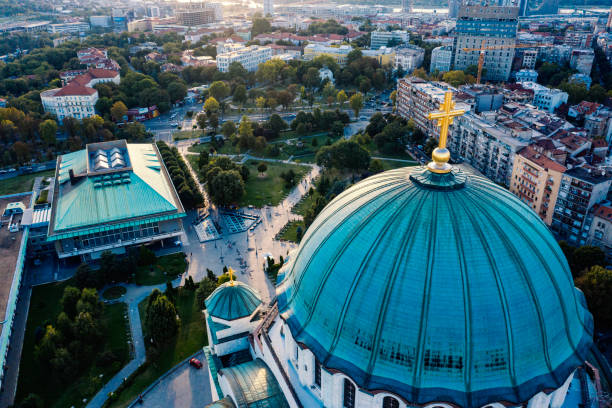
pixel 317 373
pixel 390 402
pixel 348 400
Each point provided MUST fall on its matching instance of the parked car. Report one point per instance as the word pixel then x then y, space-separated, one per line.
pixel 195 363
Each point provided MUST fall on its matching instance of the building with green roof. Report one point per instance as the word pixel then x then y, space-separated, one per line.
pixel 112 195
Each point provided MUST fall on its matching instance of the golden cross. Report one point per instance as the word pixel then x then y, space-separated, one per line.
pixel 444 116
pixel 231 275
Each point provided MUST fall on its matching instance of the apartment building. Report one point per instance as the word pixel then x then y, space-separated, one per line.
pixel 479 25
pixel 409 57
pixel 195 17
pixel 339 54
pixel 536 178
pixel 581 188
pixel 582 60
pixel 381 38
pixel 384 55
pixel 544 98
pixel 249 57
pixel 69 27
pixel 441 59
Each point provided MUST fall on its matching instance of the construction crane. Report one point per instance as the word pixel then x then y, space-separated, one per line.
pixel 484 49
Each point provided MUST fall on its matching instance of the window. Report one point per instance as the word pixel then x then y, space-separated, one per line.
pixel 349 394
pixel 390 402
pixel 317 373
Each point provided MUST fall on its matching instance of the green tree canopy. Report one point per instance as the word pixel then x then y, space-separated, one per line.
pixel 344 155
pixel 596 283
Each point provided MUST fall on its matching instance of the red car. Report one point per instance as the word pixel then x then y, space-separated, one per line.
pixel 196 363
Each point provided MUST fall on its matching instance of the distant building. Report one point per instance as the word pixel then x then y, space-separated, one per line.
pixel 441 59
pixel 72 27
pixel 453 8
pixel 380 38
pixel 384 55
pixel 582 60
pixel 581 188
pixel 195 17
pixel 538 7
pixel 100 21
pixel 493 25
pixel 339 54
pixel 406 6
pixel 583 79
pixel 326 74
pixel 409 57
pixel 529 59
pixel 268 6
pixel 526 75
pixel 558 54
pixel 249 57
pixel 78 98
pixel 599 221
pixel 110 196
pixel 546 98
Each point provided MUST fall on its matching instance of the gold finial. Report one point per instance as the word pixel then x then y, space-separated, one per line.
pixel 444 116
pixel 231 276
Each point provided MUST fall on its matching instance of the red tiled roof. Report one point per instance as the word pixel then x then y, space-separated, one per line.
pixel 603 211
pixel 541 160
pixel 75 89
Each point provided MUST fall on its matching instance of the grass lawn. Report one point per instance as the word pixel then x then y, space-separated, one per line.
pixel 191 337
pixel 289 231
pixel 44 308
pixel 227 148
pixel 292 134
pixel 305 203
pixel 22 183
pixel 373 149
pixel 187 134
pixel 392 164
pixel 270 189
pixel 114 293
pixel 166 268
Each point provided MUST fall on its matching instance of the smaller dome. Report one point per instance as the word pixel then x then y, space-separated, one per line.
pixel 232 300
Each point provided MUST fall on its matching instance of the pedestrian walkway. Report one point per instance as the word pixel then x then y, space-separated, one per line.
pixel 133 296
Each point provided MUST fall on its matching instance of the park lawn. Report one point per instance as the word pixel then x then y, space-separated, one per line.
pixel 392 164
pixel 166 268
pixel 190 338
pixel 22 183
pixel 227 148
pixel 289 232
pixel 193 160
pixel 292 134
pixel 374 152
pixel 305 203
pixel 44 307
pixel 114 292
pixel 270 189
pixel 187 134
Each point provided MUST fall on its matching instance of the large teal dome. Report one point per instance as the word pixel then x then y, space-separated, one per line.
pixel 436 287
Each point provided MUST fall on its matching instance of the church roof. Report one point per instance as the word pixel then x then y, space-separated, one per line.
pixel 436 287
pixel 232 300
pixel 254 386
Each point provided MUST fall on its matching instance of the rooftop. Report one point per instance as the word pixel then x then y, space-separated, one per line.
pixel 254 385
pixel 541 160
pixel 111 182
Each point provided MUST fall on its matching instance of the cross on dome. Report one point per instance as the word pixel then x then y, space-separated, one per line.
pixel 444 116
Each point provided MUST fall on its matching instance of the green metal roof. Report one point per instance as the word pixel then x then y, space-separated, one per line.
pixel 143 190
pixel 436 288
pixel 222 403
pixel 254 386
pixel 232 300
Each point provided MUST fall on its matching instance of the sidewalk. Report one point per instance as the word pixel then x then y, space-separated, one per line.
pixel 134 295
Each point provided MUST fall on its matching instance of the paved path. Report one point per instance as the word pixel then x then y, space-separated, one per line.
pixel 185 387
pixel 134 295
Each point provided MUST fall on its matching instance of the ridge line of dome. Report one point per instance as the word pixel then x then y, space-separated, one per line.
pixel 502 296
pixel 345 243
pixel 527 280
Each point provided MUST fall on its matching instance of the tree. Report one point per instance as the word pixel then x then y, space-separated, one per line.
pixel 585 257
pixel 211 105
pixel 341 98
pixel 376 166
pixel 118 111
pixel 226 187
pixel 203 159
pixel 276 124
pixel 245 129
pixel 312 79
pixel 260 102
pixel 356 102
pixel 260 25
pixel 213 121
pixel 161 320
pixel 219 90
pixel 393 98
pixel 32 401
pixel 262 168
pixel 344 155
pixel 201 120
pixel 240 95
pixel 48 129
pixel 456 78
pixel 69 301
pixel 596 283
pixel 205 288
pixel 285 98
pixel 337 129
pixel 177 91
pixel 228 129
